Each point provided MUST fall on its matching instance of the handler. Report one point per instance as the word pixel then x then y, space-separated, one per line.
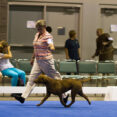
pixel 43 60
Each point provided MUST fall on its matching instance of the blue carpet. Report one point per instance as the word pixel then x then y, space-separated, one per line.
pixel 55 109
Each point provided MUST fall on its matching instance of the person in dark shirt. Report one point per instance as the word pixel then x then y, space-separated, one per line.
pixel 72 47
pixel 99 32
pixel 104 46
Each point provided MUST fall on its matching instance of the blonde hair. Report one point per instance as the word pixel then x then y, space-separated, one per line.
pixel 100 30
pixel 3 44
pixel 40 23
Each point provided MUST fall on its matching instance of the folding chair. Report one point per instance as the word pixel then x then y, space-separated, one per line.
pixel 107 69
pixel 24 64
pixel 68 66
pixel 56 64
pixel 14 62
pixel 87 67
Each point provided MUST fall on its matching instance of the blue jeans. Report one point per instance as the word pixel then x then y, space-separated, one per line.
pixel 14 73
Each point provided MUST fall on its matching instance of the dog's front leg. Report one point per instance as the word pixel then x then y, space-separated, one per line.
pixel 44 99
pixel 61 100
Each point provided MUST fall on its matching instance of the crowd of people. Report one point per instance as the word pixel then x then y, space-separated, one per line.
pixel 42 60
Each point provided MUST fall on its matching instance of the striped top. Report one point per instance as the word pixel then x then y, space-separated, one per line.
pixel 41 46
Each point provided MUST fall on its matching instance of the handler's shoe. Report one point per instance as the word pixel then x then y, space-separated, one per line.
pixel 20 99
pixel 15 94
pixel 66 99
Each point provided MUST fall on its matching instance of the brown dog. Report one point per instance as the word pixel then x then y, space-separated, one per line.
pixel 58 87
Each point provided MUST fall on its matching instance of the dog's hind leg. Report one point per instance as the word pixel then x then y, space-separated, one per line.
pixel 61 100
pixel 44 99
pixel 83 95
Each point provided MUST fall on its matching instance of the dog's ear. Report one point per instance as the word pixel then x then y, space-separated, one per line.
pixel 40 79
pixel 43 78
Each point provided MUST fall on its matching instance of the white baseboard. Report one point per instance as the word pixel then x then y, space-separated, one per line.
pixel 42 90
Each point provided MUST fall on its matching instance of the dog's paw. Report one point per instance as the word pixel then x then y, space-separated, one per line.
pixel 89 103
pixel 38 104
pixel 67 106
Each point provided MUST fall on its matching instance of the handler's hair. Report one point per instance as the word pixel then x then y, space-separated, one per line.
pixel 41 23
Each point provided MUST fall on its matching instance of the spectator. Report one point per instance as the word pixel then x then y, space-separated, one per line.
pixel 72 47
pixel 6 68
pixel 104 46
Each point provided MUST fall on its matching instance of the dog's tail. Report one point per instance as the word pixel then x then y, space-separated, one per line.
pixel 85 80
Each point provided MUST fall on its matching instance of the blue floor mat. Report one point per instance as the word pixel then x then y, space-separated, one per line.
pixel 55 109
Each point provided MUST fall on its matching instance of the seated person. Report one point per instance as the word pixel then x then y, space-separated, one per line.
pixel 7 69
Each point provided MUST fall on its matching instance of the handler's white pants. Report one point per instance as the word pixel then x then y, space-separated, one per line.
pixel 45 66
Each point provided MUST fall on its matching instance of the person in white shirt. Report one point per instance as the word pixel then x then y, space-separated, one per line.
pixel 6 68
